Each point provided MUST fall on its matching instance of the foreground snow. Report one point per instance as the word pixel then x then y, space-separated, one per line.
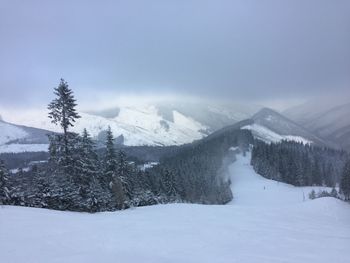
pixel 267 222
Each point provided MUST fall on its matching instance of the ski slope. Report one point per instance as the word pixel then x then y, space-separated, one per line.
pixel 251 189
pixel 267 222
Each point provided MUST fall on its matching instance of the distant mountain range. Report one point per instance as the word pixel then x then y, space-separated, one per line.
pixel 176 123
pixel 329 120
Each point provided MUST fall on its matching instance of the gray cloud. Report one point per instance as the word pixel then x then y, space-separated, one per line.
pixel 259 50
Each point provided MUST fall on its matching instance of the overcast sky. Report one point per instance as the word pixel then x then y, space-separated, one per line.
pixel 240 50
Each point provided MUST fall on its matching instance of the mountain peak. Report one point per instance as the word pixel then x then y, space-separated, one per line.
pixel 268 121
pixel 266 113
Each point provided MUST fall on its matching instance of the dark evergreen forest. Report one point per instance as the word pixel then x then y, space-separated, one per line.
pixel 298 164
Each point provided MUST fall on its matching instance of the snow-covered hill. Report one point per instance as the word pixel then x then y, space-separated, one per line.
pixel 16 138
pixel 267 222
pixel 171 123
pixel 270 126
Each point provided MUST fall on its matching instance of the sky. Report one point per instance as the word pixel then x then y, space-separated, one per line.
pixel 271 51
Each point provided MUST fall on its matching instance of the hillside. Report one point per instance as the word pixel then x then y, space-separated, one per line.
pixel 270 126
pixel 18 138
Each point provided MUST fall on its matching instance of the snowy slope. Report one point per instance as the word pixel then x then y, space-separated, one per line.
pixel 10 133
pixel 16 138
pixel 270 225
pixel 265 134
pixel 270 126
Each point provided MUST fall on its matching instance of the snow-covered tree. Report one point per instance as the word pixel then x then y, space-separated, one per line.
pixel 4 191
pixel 111 171
pixel 123 172
pixel 110 158
pixel 87 168
pixel 169 184
pixel 62 111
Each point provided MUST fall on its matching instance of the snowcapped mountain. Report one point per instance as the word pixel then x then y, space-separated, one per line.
pixel 269 125
pixel 161 124
pixel 17 138
pixel 328 120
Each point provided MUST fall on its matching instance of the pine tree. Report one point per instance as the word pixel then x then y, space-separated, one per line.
pixel 124 172
pixel 87 169
pixel 62 112
pixel 4 191
pixel 345 181
pixel 316 173
pixel 111 172
pixel 169 185
pixel 110 159
pixel 328 175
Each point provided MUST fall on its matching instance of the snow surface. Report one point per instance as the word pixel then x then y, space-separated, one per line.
pixel 10 132
pixel 268 225
pixel 269 136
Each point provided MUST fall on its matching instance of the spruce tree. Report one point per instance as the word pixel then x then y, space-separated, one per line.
pixel 87 168
pixel 124 172
pixel 110 159
pixel 111 172
pixel 170 185
pixel 62 111
pixel 316 173
pixel 4 191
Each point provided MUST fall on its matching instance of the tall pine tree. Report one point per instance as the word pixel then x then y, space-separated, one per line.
pixel 62 111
